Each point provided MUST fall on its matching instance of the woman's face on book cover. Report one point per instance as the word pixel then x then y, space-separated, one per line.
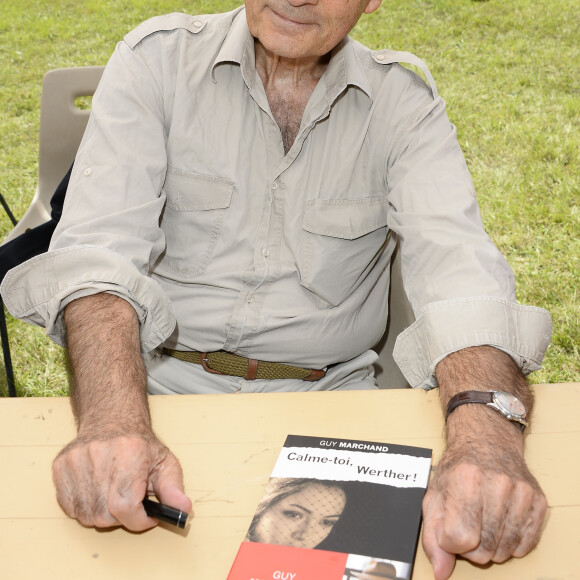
pixel 303 519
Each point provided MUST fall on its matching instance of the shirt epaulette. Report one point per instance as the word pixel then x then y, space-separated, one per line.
pixel 167 22
pixel 388 56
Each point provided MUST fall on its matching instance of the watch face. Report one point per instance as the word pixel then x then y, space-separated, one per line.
pixel 509 403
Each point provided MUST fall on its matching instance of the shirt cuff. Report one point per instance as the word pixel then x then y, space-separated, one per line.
pixel 447 326
pixel 37 290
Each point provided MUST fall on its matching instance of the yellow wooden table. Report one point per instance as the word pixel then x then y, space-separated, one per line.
pixel 228 445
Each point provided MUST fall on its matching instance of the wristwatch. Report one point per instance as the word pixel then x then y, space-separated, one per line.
pixel 505 403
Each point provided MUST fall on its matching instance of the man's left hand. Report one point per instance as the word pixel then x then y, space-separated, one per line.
pixel 482 504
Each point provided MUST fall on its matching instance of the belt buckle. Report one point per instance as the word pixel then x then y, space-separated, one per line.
pixel 205 364
pixel 250 373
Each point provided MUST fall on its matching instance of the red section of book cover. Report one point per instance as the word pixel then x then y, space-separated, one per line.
pixel 257 561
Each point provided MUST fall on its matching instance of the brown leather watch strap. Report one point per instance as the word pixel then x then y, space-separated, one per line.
pixel 464 397
pixel 487 398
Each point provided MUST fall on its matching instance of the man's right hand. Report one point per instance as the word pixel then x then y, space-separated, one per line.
pixel 101 479
pixel 103 475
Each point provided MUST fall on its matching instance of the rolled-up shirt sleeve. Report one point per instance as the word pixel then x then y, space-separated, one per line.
pixel 109 236
pixel 460 287
pixel 39 290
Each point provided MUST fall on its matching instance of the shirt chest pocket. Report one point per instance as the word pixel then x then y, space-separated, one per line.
pixel 343 239
pixel 192 220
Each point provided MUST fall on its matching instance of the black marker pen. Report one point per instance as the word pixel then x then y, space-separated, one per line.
pixel 164 513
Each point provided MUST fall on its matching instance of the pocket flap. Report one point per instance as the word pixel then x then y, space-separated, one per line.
pixel 346 218
pixel 194 191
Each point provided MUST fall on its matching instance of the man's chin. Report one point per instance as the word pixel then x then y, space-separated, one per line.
pixel 285 47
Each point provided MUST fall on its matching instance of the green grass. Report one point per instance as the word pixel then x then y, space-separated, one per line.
pixel 509 74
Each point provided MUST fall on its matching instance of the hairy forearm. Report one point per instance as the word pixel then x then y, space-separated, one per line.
pixel 475 433
pixel 108 383
pixel 481 368
pixel 102 476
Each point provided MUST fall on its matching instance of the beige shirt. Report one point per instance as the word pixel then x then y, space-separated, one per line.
pixel 183 202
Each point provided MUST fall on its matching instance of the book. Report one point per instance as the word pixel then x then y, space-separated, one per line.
pixel 337 509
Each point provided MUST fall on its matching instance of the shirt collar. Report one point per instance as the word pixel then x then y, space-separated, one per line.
pixel 238 48
pixel 343 69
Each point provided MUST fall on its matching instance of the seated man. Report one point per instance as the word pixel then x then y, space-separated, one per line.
pixel 239 191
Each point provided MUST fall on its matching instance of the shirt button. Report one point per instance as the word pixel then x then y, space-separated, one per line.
pixel 197 24
pixel 250 299
pixel 265 253
pixel 87 171
pixel 380 57
pixel 274 186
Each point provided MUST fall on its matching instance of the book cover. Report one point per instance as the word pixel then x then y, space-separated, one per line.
pixel 337 509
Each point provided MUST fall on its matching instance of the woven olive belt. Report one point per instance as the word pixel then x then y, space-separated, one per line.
pixel 226 363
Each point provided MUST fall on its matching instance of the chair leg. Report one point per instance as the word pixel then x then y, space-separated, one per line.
pixel 7 210
pixel 6 352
